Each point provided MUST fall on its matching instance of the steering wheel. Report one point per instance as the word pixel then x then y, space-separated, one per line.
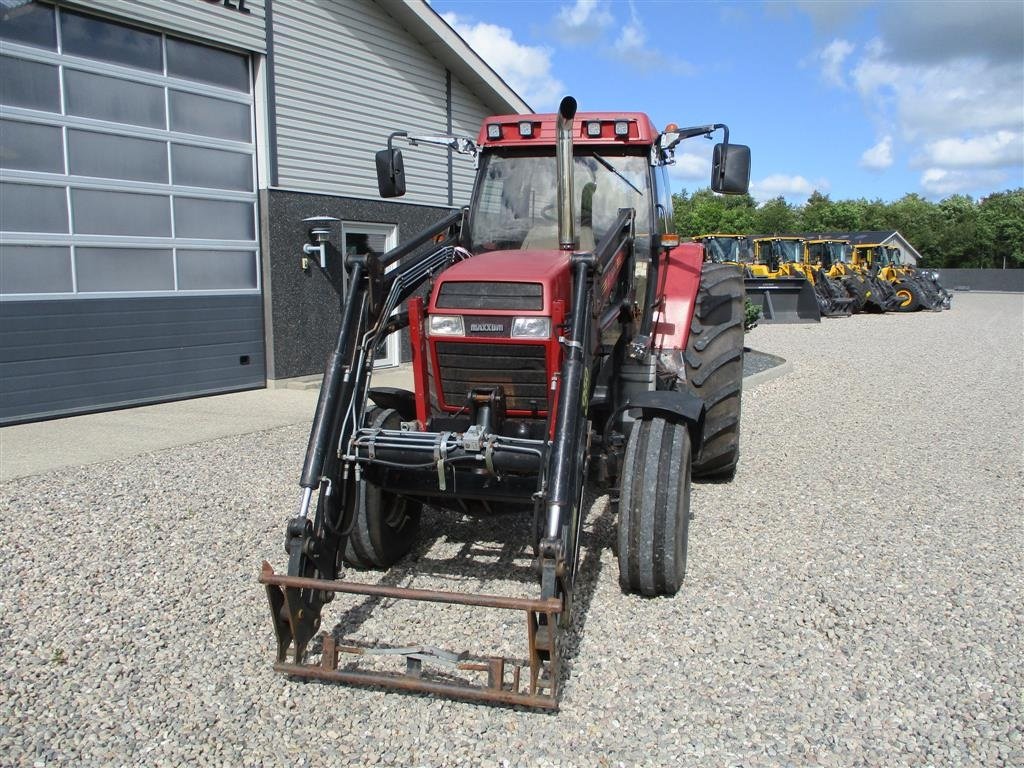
pixel 548 212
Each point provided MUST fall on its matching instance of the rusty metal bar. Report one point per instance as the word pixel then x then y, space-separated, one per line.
pixel 552 605
pixel 419 685
pixel 543 662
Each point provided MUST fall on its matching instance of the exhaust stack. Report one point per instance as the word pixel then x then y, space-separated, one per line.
pixel 563 158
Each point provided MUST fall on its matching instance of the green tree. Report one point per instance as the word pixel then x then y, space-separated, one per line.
pixel 776 217
pixel 1001 219
pixel 959 232
pixel 919 221
pixel 817 213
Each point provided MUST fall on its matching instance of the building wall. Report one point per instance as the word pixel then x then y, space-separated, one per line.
pixel 341 91
pixel 324 91
pixel 338 94
pixel 303 304
pixel 468 113
pixel 221 22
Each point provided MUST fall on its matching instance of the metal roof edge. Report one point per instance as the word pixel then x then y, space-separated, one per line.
pixel 426 25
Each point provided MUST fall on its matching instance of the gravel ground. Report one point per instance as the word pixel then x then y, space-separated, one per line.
pixel 853 596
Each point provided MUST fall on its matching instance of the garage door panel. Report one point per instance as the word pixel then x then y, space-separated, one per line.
pixel 161 359
pixel 147 369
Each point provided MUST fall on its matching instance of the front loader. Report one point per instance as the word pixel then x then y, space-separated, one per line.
pixel 831 257
pixel 932 294
pixel 777 284
pixel 556 325
pixel 891 290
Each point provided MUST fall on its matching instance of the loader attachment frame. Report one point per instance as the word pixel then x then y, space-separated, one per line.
pixel 530 682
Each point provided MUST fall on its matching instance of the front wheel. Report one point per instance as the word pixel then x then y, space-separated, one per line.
pixel 654 508
pixel 384 524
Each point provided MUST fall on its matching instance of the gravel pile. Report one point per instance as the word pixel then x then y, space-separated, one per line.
pixel 853 597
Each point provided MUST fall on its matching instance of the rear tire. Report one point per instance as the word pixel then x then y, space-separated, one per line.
pixel 654 508
pixel 384 525
pixel 909 295
pixel 714 367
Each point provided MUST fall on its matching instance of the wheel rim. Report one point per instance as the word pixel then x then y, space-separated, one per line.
pixel 905 298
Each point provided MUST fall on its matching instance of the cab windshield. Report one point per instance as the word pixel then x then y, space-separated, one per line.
pixel 838 252
pixel 826 254
pixel 721 249
pixel 783 250
pixel 516 201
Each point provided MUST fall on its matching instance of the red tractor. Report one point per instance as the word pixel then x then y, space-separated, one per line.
pixel 566 332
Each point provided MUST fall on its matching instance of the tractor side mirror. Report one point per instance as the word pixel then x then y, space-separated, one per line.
pixel 390 172
pixel 730 169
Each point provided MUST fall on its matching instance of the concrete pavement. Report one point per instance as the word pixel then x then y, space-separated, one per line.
pixel 44 446
pixel 39 447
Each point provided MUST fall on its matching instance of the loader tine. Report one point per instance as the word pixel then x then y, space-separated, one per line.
pixel 282 628
pixel 301 624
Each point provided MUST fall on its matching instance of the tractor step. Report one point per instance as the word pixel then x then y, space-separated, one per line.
pixel 530 682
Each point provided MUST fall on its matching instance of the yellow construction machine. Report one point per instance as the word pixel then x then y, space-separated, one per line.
pixel 777 283
pixel 892 291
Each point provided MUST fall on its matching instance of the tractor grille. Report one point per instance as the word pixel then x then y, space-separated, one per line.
pixel 482 295
pixel 520 369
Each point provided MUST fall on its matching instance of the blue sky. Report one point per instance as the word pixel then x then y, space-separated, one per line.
pixel 853 98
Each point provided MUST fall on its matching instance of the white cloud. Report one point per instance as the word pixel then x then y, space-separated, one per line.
pixel 945 77
pixel 992 150
pixel 939 100
pixel 796 189
pixel 691 167
pixel 527 69
pixel 987 29
pixel 582 22
pixel 632 48
pixel 832 57
pixel 939 182
pixel 878 157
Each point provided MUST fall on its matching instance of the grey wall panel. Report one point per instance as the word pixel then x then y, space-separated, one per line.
pixel 1009 280
pixel 303 309
pixel 337 101
pixel 194 18
pixel 68 356
pixel 468 113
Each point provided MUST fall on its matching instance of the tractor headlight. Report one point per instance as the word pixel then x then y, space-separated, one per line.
pixel 531 328
pixel 447 325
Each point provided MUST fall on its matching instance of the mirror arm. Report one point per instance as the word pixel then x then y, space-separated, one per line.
pixel 391 138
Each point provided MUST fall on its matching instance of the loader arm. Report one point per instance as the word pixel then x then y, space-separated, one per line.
pixel 313 545
pixel 594 279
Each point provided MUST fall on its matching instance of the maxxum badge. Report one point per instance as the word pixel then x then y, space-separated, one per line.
pixel 486 328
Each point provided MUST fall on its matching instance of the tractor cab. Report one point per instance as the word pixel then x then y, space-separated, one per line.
pixel 826 253
pixel 723 249
pixel 779 254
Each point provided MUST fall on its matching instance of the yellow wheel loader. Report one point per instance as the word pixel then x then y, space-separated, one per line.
pixel 893 292
pixel 775 281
